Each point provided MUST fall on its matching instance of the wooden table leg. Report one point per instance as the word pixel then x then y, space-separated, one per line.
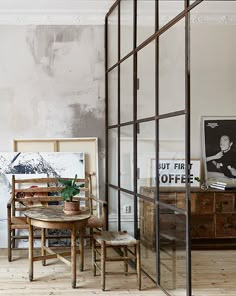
pixel 73 255
pixel 103 265
pixel 138 264
pixel 81 248
pixel 31 246
pixel 43 240
pixel 94 255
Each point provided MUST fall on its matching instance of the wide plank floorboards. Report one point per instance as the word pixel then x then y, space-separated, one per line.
pixel 213 274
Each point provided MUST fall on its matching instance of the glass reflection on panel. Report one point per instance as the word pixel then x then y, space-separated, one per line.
pixel 145 19
pixel 126 26
pixel 172 177
pixel 171 143
pixel 113 38
pixel 113 156
pixel 172 69
pixel 172 249
pixel 126 90
pixel 146 76
pixel 175 197
pixel 126 157
pixel 127 212
pixel 146 154
pixel 113 97
pixel 113 209
pixel 147 229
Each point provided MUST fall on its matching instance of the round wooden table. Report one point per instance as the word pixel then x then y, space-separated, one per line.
pixel 53 217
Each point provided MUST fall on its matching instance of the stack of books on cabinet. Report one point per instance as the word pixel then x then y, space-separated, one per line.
pixel 223 186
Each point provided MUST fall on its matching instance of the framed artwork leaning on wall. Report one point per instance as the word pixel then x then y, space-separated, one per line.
pixel 219 149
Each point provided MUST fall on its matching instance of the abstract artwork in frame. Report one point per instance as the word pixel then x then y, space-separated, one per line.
pixel 30 165
pixel 54 164
pixel 219 149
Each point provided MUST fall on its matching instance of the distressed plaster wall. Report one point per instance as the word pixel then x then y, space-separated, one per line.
pixel 52 84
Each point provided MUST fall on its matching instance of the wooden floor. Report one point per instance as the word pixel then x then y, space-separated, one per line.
pixel 213 273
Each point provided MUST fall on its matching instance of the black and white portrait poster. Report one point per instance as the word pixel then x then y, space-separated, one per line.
pixel 219 149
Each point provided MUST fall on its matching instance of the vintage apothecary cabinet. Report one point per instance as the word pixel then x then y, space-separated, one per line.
pixel 213 217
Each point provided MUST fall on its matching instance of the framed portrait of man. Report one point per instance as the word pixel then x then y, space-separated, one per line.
pixel 219 149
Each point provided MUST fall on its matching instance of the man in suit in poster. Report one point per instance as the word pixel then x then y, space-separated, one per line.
pixel 223 161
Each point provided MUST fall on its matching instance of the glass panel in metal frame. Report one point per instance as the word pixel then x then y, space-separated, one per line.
pixel 172 69
pixel 147 230
pixel 113 209
pixel 145 20
pixel 126 157
pixel 112 97
pixel 172 250
pixel 126 27
pixel 146 149
pixel 113 38
pixel 171 154
pixel 146 78
pixel 172 222
pixel 126 90
pixel 113 156
pixel 127 212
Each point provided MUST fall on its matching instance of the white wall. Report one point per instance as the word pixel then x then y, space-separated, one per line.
pixel 213 75
pixel 52 82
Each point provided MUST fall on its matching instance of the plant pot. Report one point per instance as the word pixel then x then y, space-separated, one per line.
pixel 72 207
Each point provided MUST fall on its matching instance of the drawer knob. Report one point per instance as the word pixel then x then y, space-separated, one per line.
pixel 205 202
pixel 228 225
pixel 202 227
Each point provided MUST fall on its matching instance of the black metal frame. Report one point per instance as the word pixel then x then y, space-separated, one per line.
pixel 135 122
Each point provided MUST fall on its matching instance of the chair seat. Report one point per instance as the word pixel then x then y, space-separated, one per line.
pixel 94 222
pixel 115 238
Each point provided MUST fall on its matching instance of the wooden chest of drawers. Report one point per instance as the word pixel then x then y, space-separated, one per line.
pixel 213 217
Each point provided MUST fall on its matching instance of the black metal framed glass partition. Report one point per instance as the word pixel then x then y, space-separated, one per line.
pixel 148 133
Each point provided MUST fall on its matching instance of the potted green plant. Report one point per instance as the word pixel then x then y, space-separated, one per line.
pixel 70 189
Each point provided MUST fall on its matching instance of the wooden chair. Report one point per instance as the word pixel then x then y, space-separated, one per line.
pixel 98 211
pixel 117 240
pixel 28 193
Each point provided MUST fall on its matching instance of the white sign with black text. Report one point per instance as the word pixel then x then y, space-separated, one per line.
pixel 172 172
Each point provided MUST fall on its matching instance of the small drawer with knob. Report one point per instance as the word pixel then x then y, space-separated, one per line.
pixel 203 203
pixel 173 225
pixel 225 225
pixel 202 226
pixel 224 202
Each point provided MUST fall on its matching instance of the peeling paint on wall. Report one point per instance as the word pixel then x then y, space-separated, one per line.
pixel 52 83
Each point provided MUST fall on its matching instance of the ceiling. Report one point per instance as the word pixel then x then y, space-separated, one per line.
pixel 54 11
pixel 82 12
pixel 56 4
